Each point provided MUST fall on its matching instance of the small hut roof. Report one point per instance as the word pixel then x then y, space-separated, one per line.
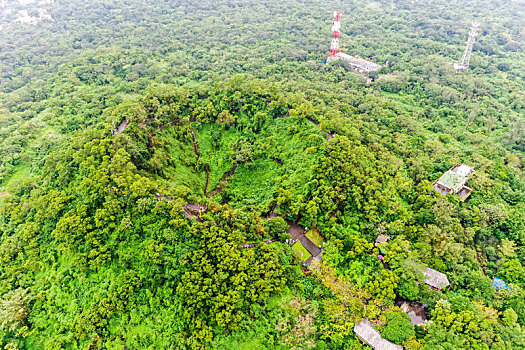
pixel 367 332
pixel 499 284
pixel 382 238
pixel 435 278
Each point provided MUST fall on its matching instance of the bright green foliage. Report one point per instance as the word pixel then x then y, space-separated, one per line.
pixel 357 246
pixel 398 327
pixel 348 179
pixel 246 123
pixel 300 252
pixel 512 272
pixel 510 317
pixel 383 284
pixel 408 289
pixel 472 330
pixel 224 284
pixel 315 237
pixel 277 227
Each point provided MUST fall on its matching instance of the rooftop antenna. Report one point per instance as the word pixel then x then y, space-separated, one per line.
pixel 334 47
pixel 465 60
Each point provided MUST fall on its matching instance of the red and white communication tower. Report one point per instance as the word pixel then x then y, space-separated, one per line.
pixel 334 47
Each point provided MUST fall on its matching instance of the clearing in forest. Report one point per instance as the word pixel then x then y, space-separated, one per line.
pixel 301 252
pixel 315 237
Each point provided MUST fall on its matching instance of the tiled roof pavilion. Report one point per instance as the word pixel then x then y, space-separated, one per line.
pixel 366 331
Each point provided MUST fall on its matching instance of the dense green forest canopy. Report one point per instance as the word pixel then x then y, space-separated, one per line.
pixel 146 150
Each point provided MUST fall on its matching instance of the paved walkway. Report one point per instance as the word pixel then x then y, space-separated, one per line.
pixel 295 230
pixel 312 258
pixel 312 248
pixel 251 245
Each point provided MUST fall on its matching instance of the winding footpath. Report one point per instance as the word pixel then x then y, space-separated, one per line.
pixel 194 211
pixel 329 135
pixel 220 186
pixel 251 245
pixel 122 126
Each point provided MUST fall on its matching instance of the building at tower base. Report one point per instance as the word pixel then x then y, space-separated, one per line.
pixel 359 64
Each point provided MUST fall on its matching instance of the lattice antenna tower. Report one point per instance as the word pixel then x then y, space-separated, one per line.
pixel 465 60
pixel 334 47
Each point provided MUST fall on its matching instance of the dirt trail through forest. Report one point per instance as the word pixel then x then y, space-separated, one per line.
pixel 220 185
pixel 197 153
pixel 226 175
pixel 207 183
pixel 123 126
pixel 251 245
pixel 329 135
pixel 195 150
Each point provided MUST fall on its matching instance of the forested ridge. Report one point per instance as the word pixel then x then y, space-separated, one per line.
pixel 157 158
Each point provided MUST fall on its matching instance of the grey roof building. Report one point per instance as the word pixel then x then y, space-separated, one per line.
pixel 435 279
pixel 366 332
pixel 359 64
pixel 381 239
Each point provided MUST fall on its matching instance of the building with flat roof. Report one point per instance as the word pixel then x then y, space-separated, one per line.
pixel 453 181
pixel 359 64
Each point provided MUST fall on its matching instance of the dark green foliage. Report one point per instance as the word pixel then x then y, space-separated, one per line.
pixel 408 289
pixel 223 284
pixel 277 227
